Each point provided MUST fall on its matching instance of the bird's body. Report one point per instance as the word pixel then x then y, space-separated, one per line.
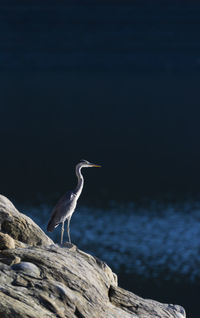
pixel 67 204
pixel 62 211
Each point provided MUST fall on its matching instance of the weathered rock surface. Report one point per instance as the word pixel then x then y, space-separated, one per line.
pixel 19 226
pixel 6 241
pixel 39 279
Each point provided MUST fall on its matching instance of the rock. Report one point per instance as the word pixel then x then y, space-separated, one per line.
pixel 19 226
pixel 46 280
pixel 6 241
pixel 27 268
pixel 147 308
pixel 19 244
pixel 9 259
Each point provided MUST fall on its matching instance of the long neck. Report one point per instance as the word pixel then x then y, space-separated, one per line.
pixel 80 183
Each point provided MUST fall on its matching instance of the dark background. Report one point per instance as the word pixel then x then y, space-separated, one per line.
pixel 113 82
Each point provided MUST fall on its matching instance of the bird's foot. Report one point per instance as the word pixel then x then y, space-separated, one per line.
pixel 68 245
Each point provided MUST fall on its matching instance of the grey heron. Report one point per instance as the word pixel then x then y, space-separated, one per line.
pixel 66 205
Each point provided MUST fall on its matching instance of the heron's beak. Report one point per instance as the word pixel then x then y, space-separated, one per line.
pixel 97 166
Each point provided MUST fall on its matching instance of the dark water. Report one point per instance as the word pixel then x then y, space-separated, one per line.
pixel 117 83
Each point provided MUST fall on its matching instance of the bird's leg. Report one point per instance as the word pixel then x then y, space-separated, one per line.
pixel 62 232
pixel 68 229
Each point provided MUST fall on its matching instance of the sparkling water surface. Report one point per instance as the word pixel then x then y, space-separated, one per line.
pixel 150 241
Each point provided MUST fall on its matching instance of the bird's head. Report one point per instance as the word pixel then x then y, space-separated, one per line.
pixel 86 164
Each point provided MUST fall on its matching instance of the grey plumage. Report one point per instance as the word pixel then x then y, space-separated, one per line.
pixel 59 212
pixel 66 205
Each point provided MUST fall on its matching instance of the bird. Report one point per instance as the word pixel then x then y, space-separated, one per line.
pixel 66 206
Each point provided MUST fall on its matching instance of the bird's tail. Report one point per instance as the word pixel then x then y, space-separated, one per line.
pixel 51 225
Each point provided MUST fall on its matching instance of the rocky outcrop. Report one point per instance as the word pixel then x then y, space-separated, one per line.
pixel 19 226
pixel 40 279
